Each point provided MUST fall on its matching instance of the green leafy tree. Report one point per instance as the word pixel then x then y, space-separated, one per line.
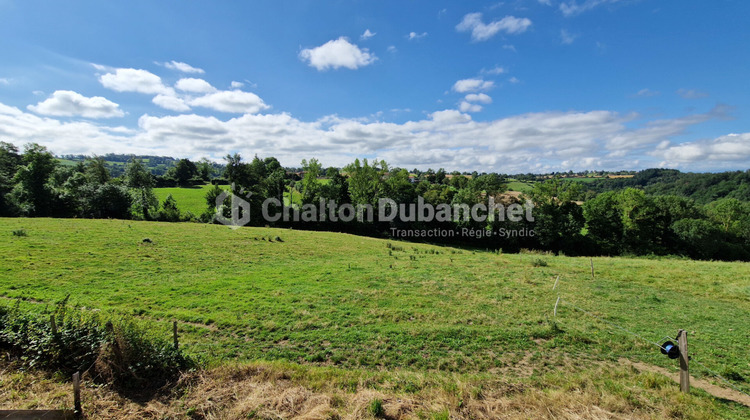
pixel 10 160
pixel 169 210
pixel 32 190
pixel 310 185
pixel 604 223
pixel 558 220
pixel 184 172
pixel 96 171
pixel 365 181
pixel 141 183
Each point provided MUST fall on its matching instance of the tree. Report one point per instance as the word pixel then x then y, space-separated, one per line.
pixel 184 172
pixel 727 213
pixel 32 190
pixel 141 183
pixel 204 169
pixel 365 185
pixel 558 220
pixel 110 200
pixel 603 222
pixel 96 171
pixel 169 211
pixel 310 184
pixel 10 160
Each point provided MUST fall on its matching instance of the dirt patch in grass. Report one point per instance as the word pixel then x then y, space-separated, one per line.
pixel 716 391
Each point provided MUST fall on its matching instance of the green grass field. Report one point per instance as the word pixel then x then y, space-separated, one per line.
pixel 515 185
pixel 194 199
pixel 188 199
pixel 326 299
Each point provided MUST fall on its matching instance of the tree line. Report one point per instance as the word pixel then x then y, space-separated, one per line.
pixel 625 221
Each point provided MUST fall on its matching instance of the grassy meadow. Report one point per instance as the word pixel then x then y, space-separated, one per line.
pixel 188 199
pixel 317 300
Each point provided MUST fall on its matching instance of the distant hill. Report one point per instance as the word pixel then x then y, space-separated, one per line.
pixel 158 165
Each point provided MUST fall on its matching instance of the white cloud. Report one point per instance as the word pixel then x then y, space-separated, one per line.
pixel 478 97
pixel 336 54
pixel 194 85
pixel 171 102
pixel 514 80
pixel 237 85
pixel 133 80
pixel 691 94
pixel 566 38
pixel 183 67
pixel 495 70
pixel 647 93
pixel 4 81
pixel 235 101
pixel 66 103
pixel 731 148
pixel 480 31
pixel 539 142
pixel 367 35
pixel 466 106
pixel 413 35
pixel 545 2
pixel 392 49
pixel 472 85
pixel 573 7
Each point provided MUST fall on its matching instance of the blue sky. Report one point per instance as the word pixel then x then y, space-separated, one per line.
pixel 513 86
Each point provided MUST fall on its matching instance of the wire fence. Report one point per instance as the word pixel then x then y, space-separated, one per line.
pixel 639 336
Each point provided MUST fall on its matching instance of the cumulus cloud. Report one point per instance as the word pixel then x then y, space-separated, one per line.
pixel 171 102
pixel 539 142
pixel 237 85
pixel 573 7
pixel 337 53
pixel 481 31
pixel 478 97
pixel 66 103
pixel 367 35
pixel 183 67
pixel 194 85
pixel 472 85
pixel 235 101
pixel 495 70
pixel 133 80
pixel 731 148
pixel 466 106
pixel 413 35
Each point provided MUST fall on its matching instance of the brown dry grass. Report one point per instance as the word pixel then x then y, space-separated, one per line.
pixel 267 391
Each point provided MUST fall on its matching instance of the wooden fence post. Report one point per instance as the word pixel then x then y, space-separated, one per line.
pixel 174 335
pixel 592 268
pixel 684 367
pixel 77 395
pixel 53 324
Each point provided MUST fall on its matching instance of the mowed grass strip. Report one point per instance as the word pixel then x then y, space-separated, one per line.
pixel 340 300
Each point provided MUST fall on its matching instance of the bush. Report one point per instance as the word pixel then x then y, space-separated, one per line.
pixel 20 232
pixel 538 262
pixel 121 353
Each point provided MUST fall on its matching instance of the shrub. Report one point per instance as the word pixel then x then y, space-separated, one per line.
pixel 538 262
pixel 20 232
pixel 121 353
